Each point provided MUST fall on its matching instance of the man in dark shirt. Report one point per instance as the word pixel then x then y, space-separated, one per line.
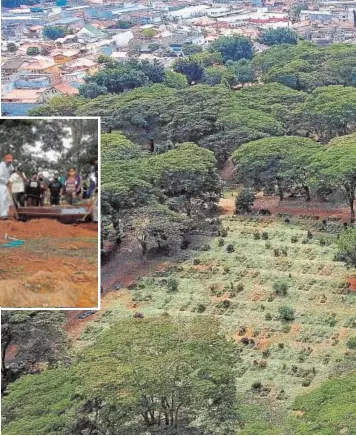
pixel 55 188
pixel 33 191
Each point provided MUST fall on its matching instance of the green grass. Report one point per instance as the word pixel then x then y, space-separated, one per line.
pixel 289 359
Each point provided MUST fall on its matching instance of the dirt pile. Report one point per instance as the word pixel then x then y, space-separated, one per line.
pixel 56 267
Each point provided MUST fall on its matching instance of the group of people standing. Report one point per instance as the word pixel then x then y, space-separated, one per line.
pixel 38 190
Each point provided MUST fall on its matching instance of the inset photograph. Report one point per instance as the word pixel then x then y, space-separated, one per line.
pixel 49 195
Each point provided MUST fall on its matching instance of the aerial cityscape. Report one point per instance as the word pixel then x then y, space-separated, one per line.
pixel 53 48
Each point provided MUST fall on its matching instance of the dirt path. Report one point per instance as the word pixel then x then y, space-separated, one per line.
pixel 295 207
pixel 55 267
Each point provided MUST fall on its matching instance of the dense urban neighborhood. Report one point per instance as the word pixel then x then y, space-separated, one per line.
pixel 53 49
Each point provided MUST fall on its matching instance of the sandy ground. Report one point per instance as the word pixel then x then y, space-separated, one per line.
pixel 56 267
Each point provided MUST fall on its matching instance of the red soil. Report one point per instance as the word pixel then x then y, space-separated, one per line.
pixel 49 270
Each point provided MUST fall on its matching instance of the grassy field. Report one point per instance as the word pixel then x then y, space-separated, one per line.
pixel 244 278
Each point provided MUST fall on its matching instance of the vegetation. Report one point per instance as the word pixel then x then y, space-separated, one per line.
pixel 138 376
pixel 248 330
pixel 53 32
pixel 278 36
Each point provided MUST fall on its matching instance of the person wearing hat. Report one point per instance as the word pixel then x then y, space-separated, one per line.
pixel 6 169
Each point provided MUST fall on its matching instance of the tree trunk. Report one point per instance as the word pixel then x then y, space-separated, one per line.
pixel 189 207
pixel 144 247
pixel 350 191
pixel 280 191
pixel 352 214
pixel 307 193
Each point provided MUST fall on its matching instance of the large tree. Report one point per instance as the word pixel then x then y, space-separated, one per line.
pixel 154 375
pixel 233 48
pixel 329 111
pixel 159 225
pixel 282 161
pixel 278 36
pixel 335 168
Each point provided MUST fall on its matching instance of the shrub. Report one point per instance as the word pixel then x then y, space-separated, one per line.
pixel 268 317
pixel 200 308
pixel 257 385
pixel 286 328
pixel 240 287
pixel 351 343
pixel 280 287
pixel 347 247
pixel 225 304
pixel 172 284
pixel 223 233
pixel 286 313
pixel 264 236
pixel 256 236
pixel 33 51
pixel 268 245
pixel 221 242
pixel 244 201
pixel 294 239
pixel 230 248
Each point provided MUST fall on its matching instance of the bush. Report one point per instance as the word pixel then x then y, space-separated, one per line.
pixel 257 385
pixel 221 242
pixel 286 313
pixel 172 284
pixel 256 236
pixel 294 239
pixel 244 201
pixel 200 308
pixel 280 287
pixel 264 236
pixel 268 317
pixel 33 51
pixel 223 233
pixel 230 248
pixel 351 343
pixel 347 247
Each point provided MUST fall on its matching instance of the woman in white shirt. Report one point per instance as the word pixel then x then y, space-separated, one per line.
pixel 18 181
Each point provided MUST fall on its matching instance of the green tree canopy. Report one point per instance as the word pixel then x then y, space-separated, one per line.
pixel 233 48
pixel 138 376
pixel 278 36
pixel 53 32
pixel 33 51
pixel 281 161
pixel 175 80
pixel 328 409
pixel 335 168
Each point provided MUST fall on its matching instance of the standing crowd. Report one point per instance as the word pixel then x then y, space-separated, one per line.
pixel 39 190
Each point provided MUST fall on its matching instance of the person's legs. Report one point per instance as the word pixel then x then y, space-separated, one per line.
pixel 20 198
pixel 54 200
pixel 69 198
pixel 4 202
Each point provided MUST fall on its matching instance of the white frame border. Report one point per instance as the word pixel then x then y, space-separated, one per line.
pixel 99 214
